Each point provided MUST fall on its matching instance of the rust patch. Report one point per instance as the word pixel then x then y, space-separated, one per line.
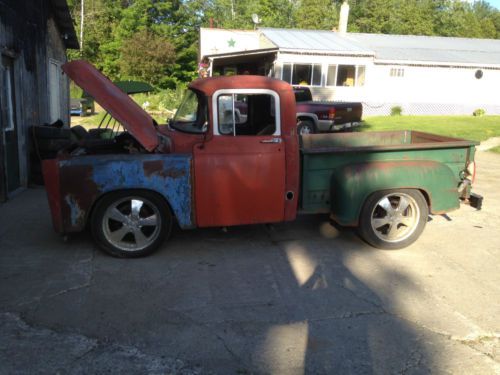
pixel 157 168
pixel 78 192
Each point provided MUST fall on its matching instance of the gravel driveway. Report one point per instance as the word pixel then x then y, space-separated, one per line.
pixel 294 298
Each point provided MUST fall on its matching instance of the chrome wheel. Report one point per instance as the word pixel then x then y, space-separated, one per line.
pixel 305 127
pixel 131 223
pixel 305 130
pixel 395 217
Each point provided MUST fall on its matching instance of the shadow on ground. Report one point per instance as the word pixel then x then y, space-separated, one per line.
pixel 284 299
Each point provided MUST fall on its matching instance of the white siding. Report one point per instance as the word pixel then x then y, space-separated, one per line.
pixel 432 90
pixel 417 89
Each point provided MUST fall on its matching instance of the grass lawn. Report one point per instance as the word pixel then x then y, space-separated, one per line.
pixel 495 149
pixel 467 127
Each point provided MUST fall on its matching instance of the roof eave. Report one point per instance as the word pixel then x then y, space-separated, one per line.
pixel 64 22
pixel 240 53
pixel 435 63
pixel 328 52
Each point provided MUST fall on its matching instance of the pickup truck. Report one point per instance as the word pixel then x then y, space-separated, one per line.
pixel 316 117
pixel 205 169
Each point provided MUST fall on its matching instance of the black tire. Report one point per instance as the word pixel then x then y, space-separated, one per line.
pixel 116 232
pixel 396 226
pixel 52 145
pixel 50 132
pixel 79 132
pixel 305 127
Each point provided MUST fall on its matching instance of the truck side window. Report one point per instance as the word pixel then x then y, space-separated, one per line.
pixel 246 114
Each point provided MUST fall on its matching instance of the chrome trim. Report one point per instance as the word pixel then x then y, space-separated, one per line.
pixel 218 93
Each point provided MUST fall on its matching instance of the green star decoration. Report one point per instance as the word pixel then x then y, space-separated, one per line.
pixel 231 42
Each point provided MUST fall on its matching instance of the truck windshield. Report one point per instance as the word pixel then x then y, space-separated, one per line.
pixel 191 115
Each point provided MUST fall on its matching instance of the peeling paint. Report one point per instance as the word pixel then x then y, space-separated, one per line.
pixel 84 179
pixel 77 216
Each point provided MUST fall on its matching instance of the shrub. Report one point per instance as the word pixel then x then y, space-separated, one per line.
pixel 479 112
pixel 396 111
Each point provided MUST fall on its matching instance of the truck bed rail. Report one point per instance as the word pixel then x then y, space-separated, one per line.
pixel 378 141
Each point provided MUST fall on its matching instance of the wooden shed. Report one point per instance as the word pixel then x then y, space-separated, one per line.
pixel 34 37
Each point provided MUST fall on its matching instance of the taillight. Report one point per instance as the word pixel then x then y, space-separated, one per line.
pixel 331 114
pixel 471 171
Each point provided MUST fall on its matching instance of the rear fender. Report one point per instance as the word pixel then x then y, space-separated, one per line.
pixel 353 184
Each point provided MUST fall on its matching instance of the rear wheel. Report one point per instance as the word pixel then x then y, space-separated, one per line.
pixel 131 224
pixel 305 127
pixel 393 219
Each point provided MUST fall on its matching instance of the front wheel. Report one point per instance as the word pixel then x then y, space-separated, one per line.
pixel 305 127
pixel 131 224
pixel 393 219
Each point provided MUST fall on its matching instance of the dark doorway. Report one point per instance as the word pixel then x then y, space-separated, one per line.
pixel 9 126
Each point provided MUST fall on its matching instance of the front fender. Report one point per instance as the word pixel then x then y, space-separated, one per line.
pixel 79 182
pixel 352 185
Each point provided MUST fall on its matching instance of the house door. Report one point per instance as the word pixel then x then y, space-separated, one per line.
pixel 240 171
pixel 9 126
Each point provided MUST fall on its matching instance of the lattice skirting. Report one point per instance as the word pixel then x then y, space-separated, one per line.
pixel 384 109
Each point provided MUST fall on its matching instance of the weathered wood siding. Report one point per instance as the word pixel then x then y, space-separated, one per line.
pixel 29 35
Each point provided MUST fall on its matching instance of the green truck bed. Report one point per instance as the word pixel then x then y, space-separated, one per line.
pixel 347 167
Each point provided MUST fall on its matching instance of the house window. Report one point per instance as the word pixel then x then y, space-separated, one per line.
pixel 360 76
pixel 250 114
pixel 397 72
pixel 345 75
pixel 331 75
pixel 302 74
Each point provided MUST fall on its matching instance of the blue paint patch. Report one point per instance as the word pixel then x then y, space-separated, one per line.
pixel 77 216
pixel 166 174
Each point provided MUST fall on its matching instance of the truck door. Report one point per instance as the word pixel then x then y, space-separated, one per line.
pixel 240 171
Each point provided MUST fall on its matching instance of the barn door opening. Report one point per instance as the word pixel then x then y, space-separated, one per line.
pixel 9 127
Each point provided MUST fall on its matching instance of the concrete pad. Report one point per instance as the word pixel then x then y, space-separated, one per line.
pixel 293 298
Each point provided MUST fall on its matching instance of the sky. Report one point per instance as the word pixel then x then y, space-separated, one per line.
pixel 495 3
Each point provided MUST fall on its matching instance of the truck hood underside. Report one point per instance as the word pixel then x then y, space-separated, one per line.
pixel 119 105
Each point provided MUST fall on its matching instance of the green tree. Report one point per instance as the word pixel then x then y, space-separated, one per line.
pixel 393 17
pixel 317 14
pixel 146 56
pixel 456 18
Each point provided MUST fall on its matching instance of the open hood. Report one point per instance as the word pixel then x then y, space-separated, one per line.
pixel 119 105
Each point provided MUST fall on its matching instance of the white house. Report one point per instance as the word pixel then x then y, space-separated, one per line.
pixel 422 74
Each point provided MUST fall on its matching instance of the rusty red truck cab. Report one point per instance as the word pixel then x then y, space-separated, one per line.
pixel 212 165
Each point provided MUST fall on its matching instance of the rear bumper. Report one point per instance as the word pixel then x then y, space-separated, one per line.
pixel 325 125
pixel 330 125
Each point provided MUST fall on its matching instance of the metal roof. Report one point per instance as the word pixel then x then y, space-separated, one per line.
pixel 430 48
pixel 390 47
pixel 313 40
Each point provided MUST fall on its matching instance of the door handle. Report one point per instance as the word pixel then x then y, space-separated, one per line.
pixel 273 140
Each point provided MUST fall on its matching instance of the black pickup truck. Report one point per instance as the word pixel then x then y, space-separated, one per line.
pixel 316 117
